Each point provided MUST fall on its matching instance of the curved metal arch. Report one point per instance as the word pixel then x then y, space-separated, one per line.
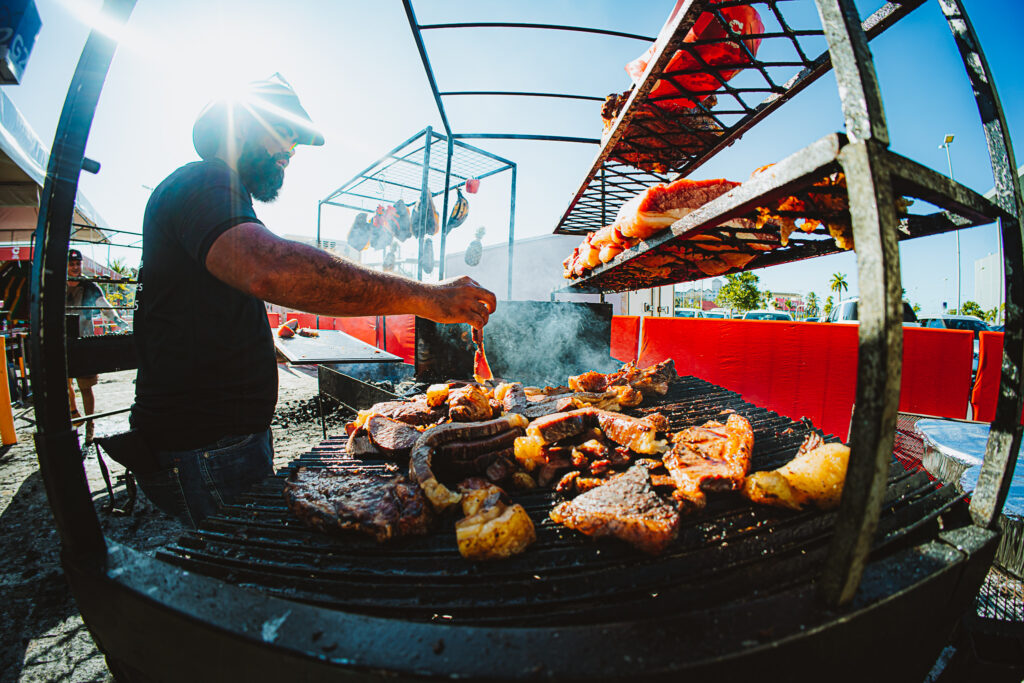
pixel 60 459
pixel 1005 433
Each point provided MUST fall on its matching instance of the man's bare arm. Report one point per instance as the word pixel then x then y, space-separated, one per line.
pixel 254 260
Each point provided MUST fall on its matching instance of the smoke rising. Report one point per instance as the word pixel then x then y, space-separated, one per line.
pixel 535 342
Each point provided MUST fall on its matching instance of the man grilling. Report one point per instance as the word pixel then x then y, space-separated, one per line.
pixel 207 379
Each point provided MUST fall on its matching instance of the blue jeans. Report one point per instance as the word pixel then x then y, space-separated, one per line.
pixel 192 485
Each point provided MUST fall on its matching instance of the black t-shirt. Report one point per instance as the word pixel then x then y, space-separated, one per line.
pixel 207 367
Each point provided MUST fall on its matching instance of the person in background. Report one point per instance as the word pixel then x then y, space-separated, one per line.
pixel 207 381
pixel 83 293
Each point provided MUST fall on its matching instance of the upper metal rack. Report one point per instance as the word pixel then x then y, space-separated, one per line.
pixel 686 110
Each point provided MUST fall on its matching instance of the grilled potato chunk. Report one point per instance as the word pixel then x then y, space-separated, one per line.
pixel 492 529
pixel 812 478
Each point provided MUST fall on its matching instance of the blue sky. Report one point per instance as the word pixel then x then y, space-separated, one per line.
pixel 357 71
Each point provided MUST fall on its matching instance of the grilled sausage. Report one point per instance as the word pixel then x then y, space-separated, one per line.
pixel 421 460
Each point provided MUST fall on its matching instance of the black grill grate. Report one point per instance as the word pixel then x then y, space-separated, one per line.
pixel 730 550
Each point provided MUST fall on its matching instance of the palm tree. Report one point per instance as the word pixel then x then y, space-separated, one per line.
pixel 812 304
pixel 827 308
pixel 838 284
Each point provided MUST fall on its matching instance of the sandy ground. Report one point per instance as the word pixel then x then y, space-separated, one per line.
pixel 42 637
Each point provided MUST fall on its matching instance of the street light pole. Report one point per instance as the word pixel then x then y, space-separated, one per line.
pixel 945 144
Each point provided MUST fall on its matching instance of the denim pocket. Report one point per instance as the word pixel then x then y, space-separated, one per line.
pixel 235 464
pixel 164 489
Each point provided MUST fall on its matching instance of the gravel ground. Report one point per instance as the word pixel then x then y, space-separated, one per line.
pixel 42 637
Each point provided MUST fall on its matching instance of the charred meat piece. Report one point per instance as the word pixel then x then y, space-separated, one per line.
pixel 360 446
pixel 573 483
pixel 539 406
pixel 395 439
pixel 553 428
pixel 637 434
pixel 627 507
pixel 713 457
pixel 512 397
pixel 814 477
pixel 377 505
pixel 492 457
pixel 492 528
pixel 547 391
pixel 469 404
pixel 415 412
pixel 421 461
pixel 465 451
pixel 556 463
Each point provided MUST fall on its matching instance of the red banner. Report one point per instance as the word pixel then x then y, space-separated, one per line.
pixel 15 253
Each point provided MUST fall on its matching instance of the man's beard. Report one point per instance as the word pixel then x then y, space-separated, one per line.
pixel 260 172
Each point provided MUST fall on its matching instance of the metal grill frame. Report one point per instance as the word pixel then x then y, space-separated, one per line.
pixel 231 632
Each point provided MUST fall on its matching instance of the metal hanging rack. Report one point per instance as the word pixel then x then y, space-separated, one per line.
pixel 407 173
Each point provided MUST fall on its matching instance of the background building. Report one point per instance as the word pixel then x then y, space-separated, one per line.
pixel 986 282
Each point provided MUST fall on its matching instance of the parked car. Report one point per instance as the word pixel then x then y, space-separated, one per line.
pixel 955 322
pixel 959 322
pixel 846 312
pixel 767 315
pixel 812 319
pixel 715 314
pixel 689 313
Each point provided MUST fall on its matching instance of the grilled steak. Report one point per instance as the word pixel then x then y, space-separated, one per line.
pixel 626 507
pixel 382 437
pixel 394 438
pixel 378 505
pixel 713 457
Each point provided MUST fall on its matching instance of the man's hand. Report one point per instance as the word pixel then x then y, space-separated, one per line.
pixel 459 300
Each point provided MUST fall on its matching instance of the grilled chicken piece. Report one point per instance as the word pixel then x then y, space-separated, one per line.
pixel 649 381
pixel 380 506
pixel 492 528
pixel 627 507
pixel 713 457
pixel 469 404
pixel 815 478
